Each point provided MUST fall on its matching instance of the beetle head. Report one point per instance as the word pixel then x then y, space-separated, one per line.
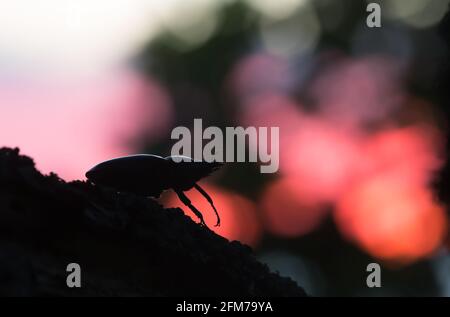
pixel 187 172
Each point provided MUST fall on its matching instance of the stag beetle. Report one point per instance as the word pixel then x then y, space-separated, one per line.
pixel 150 175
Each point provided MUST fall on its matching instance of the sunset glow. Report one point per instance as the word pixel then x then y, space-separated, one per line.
pixel 69 126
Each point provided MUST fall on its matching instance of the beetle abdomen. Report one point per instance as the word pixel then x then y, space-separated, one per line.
pixel 140 174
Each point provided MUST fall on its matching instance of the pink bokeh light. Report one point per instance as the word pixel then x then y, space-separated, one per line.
pixel 259 74
pixel 358 91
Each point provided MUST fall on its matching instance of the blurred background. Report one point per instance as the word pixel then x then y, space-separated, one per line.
pixel 362 114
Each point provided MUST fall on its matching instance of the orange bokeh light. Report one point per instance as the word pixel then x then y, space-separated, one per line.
pixel 287 210
pixel 392 219
pixel 239 220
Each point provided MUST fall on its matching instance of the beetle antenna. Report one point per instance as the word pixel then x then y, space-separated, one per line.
pixel 209 199
pixel 186 201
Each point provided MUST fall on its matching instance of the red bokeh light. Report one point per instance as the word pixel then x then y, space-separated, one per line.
pixel 239 220
pixel 391 211
pixel 411 153
pixel 321 157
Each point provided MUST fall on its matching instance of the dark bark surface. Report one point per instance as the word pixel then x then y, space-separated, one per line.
pixel 126 245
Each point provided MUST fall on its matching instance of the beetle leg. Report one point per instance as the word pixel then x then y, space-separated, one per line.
pixel 209 199
pixel 185 200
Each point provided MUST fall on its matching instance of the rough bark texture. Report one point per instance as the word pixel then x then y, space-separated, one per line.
pixel 126 245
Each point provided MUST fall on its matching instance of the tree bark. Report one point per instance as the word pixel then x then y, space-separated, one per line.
pixel 126 245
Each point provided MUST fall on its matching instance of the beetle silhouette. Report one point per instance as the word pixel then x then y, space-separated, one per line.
pixel 150 175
